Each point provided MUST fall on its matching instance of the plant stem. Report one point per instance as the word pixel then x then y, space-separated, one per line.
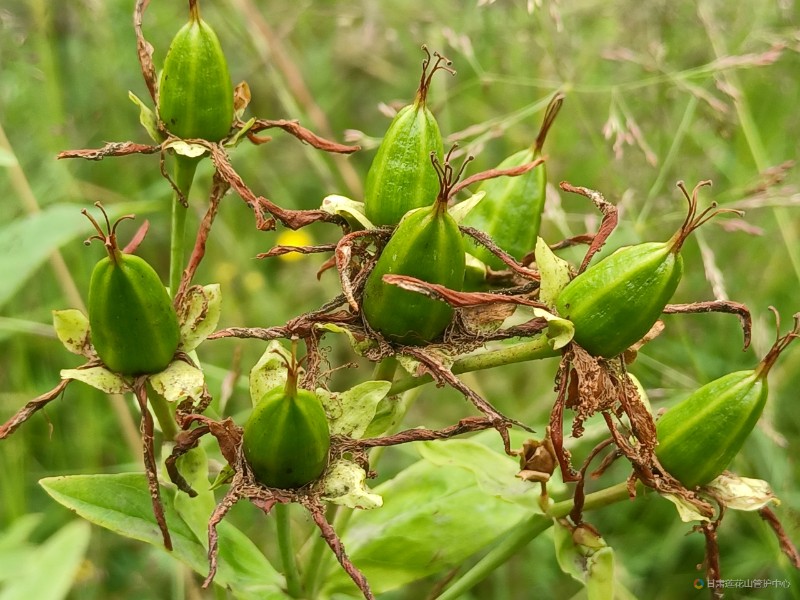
pixel 385 370
pixel 164 414
pixel 523 533
pixel 184 176
pixel 536 349
pixel 283 522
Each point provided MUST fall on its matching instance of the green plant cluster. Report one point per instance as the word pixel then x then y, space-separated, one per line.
pixel 438 276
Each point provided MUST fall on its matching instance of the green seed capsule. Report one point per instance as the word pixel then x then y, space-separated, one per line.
pixel 133 324
pixel 699 437
pixel 427 244
pixel 286 438
pixel 195 95
pixel 614 303
pixel 400 178
pixel 511 211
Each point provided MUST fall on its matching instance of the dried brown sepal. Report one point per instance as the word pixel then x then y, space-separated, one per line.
pixel 443 375
pixel 607 225
pixel 713 571
pixel 282 250
pixel 302 134
pixel 454 298
pixel 317 510
pixel 486 241
pixel 588 385
pixel 465 425
pixel 144 51
pixel 579 497
pixel 218 188
pixel 720 306
pixel 148 453
pixel 537 460
pixel 493 174
pixel 137 238
pixel 787 547
pixel 354 261
pixel 110 149
pixel 32 406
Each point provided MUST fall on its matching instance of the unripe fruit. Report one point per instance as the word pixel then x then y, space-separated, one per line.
pixel 195 95
pixel 614 303
pixel 400 178
pixel 427 244
pixel 699 437
pixel 134 327
pixel 286 437
pixel 511 211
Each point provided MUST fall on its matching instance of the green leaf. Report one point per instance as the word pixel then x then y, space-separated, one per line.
pixel 72 329
pixel 436 514
pixel 186 149
pixel 99 378
pixel 196 511
pixel 584 556
pixel 147 118
pixel 351 210
pixel 345 484
pixel 200 316
pixel 495 474
pixel 461 210
pixel 121 503
pixel 178 381
pixel 554 272
pixel 50 569
pixel 600 575
pixel 351 412
pixel 25 244
pixel 269 372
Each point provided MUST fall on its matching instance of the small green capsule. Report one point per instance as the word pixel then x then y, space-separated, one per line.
pixel 699 437
pixel 400 178
pixel 428 245
pixel 134 326
pixel 286 438
pixel 614 303
pixel 195 95
pixel 511 211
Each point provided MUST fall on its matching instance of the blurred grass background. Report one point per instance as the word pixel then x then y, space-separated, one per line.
pixel 656 92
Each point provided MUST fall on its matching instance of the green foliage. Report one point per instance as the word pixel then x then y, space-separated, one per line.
pixel 656 92
pixel 122 504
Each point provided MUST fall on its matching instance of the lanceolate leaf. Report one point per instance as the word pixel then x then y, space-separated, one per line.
pixel 59 557
pixel 435 515
pixel 121 503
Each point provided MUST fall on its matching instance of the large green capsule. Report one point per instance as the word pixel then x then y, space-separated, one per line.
pixel 286 438
pixel 134 327
pixel 427 244
pixel 614 303
pixel 195 95
pixel 511 211
pixel 400 178
pixel 699 437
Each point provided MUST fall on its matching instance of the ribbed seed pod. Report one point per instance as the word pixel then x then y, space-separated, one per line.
pixel 427 244
pixel 699 437
pixel 195 95
pixel 614 303
pixel 511 211
pixel 134 327
pixel 400 178
pixel 286 438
